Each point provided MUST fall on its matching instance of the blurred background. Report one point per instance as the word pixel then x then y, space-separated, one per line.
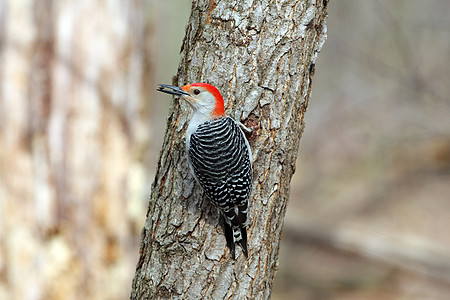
pixel 81 128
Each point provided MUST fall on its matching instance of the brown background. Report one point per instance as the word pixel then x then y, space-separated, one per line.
pixel 81 127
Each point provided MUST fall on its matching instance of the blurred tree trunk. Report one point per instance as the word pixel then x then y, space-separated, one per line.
pixel 74 107
pixel 261 56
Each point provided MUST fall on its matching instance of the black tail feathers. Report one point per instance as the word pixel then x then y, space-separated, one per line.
pixel 236 235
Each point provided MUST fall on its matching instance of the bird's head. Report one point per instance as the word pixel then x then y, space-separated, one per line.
pixel 202 97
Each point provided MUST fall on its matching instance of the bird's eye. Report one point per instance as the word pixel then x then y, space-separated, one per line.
pixel 196 91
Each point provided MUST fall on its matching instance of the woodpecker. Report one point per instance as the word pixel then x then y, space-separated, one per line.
pixel 219 157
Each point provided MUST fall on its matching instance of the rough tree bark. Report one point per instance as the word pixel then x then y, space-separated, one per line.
pixel 261 55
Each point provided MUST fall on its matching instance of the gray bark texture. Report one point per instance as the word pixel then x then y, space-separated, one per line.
pixel 261 56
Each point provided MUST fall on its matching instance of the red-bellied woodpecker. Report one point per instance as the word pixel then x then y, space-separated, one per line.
pixel 219 157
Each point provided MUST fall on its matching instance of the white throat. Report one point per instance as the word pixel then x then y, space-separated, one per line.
pixel 198 117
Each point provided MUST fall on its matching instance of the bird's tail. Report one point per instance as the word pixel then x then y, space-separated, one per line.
pixel 236 235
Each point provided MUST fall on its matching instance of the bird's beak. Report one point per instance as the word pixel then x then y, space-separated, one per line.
pixel 170 89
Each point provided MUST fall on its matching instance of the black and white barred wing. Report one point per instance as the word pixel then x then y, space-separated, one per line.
pixel 220 158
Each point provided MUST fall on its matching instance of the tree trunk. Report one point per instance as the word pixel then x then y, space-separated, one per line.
pixel 74 111
pixel 261 56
